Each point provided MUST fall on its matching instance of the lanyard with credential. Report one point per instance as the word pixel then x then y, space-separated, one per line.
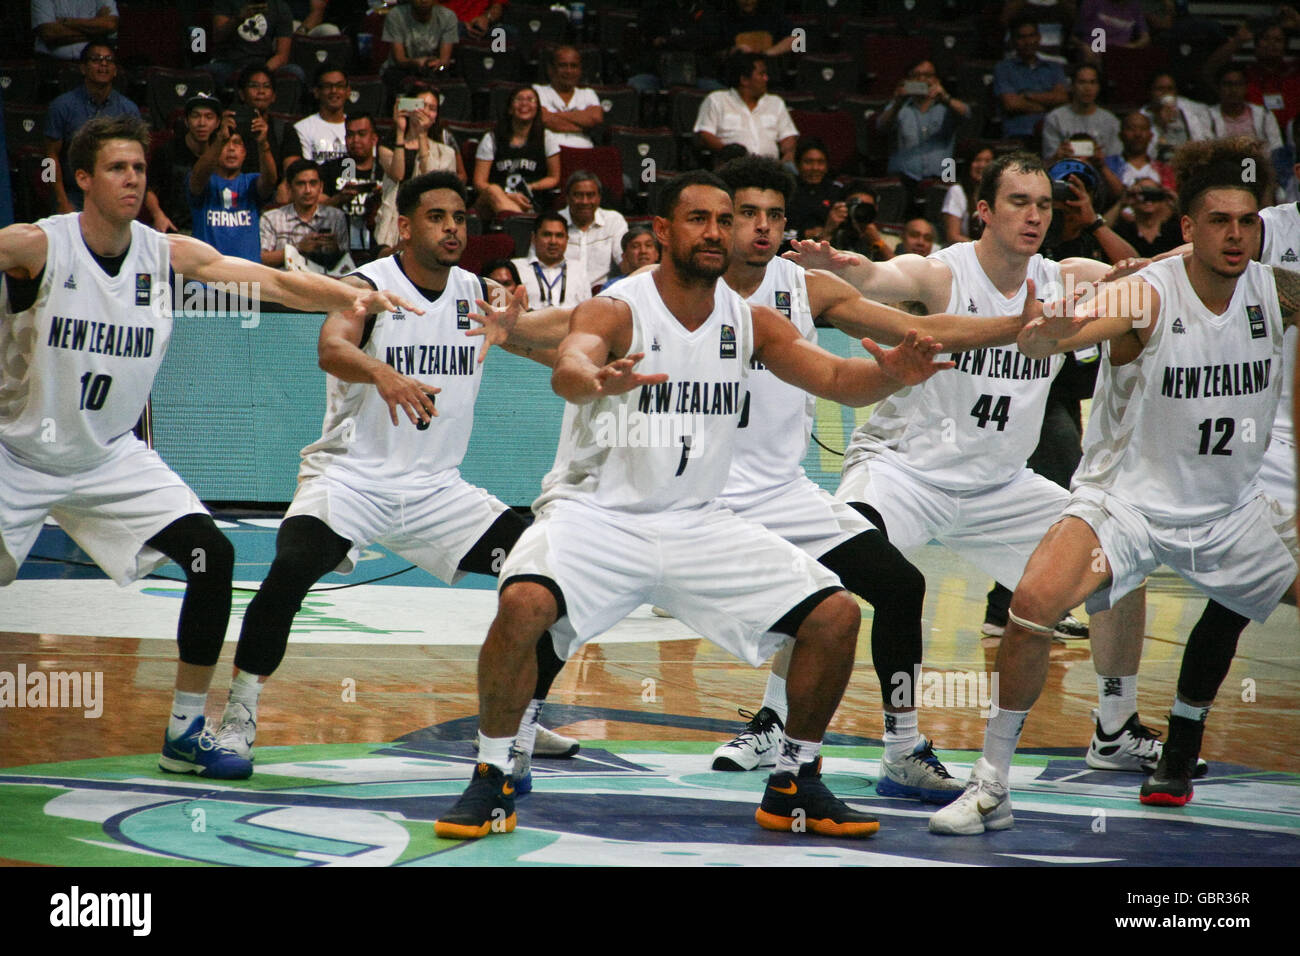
pixel 549 287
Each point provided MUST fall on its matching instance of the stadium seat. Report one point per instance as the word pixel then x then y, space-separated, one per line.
pixel 498 98
pixel 891 198
pixel 311 53
pixel 605 161
pixel 835 129
pixel 150 34
pixel 828 78
pixel 519 227
pixel 622 105
pixel 367 96
pixel 24 126
pixel 888 57
pixel 635 145
pixel 481 65
pixel 484 248
pixel 288 92
pixel 454 102
pixel 167 90
pixel 537 26
pixel 19 82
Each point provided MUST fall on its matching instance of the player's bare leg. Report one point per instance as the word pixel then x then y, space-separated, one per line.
pixel 1066 567
pixel 796 800
pixel 507 674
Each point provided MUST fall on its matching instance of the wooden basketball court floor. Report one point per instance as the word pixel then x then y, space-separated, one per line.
pixel 364 736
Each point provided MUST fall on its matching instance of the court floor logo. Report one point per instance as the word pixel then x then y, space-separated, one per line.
pixel 616 803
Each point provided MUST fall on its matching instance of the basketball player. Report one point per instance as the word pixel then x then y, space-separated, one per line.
pixel 767 483
pixel 1192 352
pixel 373 478
pixel 87 318
pixel 1212 643
pixel 947 460
pixel 629 513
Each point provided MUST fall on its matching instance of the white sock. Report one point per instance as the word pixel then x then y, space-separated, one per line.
pixel 245 689
pixel 496 751
pixel 1189 711
pixel 901 734
pixel 1117 701
pixel 793 754
pixel 1001 734
pixel 527 735
pixel 774 696
pixel 185 707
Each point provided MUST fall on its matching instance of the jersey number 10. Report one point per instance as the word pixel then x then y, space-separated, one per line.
pixel 94 390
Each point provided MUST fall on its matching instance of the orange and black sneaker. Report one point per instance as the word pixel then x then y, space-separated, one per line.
pixel 486 806
pixel 801 803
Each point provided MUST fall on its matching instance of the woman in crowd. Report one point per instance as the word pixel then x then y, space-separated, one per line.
pixel 517 161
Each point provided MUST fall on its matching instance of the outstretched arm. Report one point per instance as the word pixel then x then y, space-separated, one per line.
pixel 504 322
pixel 1127 309
pixel 593 360
pixel 905 278
pixel 298 290
pixel 839 303
pixel 792 358
pixel 338 352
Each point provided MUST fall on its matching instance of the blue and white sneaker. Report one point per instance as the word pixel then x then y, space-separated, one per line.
pixel 522 772
pixel 197 751
pixel 919 776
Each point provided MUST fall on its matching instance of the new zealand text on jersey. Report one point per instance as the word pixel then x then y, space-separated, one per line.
pixel 1212 381
pixel 694 398
pixel 1002 363
pixel 432 359
pixel 127 341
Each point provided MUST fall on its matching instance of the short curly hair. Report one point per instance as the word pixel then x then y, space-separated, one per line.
pixel 1234 162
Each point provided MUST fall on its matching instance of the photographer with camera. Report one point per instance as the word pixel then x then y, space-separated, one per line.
pixel 851 225
pixel 922 118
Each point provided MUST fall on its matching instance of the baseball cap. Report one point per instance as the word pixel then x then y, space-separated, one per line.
pixel 202 101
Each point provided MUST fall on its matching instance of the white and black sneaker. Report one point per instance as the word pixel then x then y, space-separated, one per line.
pixel 238 729
pixel 550 744
pixel 753 747
pixel 1134 748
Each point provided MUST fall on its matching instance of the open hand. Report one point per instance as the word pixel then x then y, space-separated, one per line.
pixel 619 376
pixel 495 325
pixel 911 361
pixel 812 254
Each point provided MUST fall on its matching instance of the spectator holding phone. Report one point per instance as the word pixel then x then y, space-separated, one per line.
pixel 176 159
pixel 1150 226
pixel 318 232
pixel 224 201
pixel 1080 115
pixel 424 146
pixel 923 120
pixel 257 97
pixel 517 160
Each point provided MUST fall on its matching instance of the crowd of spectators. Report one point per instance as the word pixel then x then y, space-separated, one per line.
pixel 297 165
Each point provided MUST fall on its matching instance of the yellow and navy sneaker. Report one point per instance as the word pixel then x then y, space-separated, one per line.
pixel 486 806
pixel 801 802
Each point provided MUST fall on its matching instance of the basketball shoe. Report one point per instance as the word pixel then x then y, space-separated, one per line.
pixel 486 806
pixel 753 747
pixel 550 744
pixel 918 775
pixel 799 802
pixel 1171 783
pixel 984 805
pixel 238 730
pixel 522 772
pixel 197 751
pixel 1133 747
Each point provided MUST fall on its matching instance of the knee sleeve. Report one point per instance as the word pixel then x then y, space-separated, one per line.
pixel 548 666
pixel 1209 652
pixel 305 551
pixel 876 571
pixel 208 559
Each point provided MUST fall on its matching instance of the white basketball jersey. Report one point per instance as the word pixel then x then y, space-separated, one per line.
pixel 358 437
pixel 973 426
pixel 778 421
pixel 79 363
pixel 1282 250
pixel 1179 433
pixel 668 446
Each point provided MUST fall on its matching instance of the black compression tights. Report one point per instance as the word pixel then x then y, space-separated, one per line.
pixel 876 571
pixel 306 549
pixel 1209 652
pixel 208 559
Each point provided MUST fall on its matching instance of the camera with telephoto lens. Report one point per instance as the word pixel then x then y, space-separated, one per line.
pixel 861 212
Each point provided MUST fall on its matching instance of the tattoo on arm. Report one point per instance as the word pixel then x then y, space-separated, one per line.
pixel 1288 292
